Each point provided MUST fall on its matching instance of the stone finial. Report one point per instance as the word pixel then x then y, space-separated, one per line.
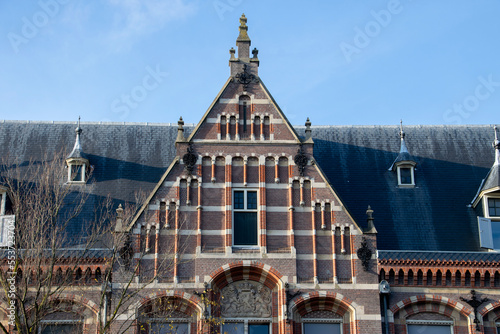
pixel 119 219
pixel 180 131
pixel 370 228
pixel 308 129
pixel 255 52
pixel 232 52
pixel 243 37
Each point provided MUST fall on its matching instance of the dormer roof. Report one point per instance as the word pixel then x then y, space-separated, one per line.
pixel 77 152
pixel 492 181
pixel 404 156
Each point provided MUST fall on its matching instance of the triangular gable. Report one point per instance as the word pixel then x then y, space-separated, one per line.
pixel 253 108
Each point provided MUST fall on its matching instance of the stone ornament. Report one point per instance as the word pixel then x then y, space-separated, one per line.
pixel 246 299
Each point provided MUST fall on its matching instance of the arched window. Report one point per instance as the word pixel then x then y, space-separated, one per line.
pixel 458 278
pixel 429 277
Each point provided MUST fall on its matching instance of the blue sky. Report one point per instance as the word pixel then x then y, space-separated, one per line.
pixel 337 62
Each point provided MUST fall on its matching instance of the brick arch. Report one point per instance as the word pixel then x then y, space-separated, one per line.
pixel 72 303
pixel 246 269
pixel 192 302
pixel 429 304
pixel 326 301
pixel 491 307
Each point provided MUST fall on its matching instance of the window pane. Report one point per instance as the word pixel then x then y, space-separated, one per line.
pixel 169 328
pixel 494 207
pixel 495 233
pixel 233 328
pixel 258 329
pixel 239 200
pixel 76 172
pixel 405 174
pixel 245 228
pixel 428 329
pixel 62 329
pixel 321 328
pixel 251 200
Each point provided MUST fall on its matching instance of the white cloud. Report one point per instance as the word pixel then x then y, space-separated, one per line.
pixel 133 18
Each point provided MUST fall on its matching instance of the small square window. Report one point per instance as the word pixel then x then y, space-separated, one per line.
pixel 494 207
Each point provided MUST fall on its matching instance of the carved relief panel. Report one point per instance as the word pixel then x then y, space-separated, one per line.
pixel 246 299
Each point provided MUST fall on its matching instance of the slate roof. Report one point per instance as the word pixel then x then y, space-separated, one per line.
pixel 451 163
pixel 434 215
pixel 125 157
pixel 408 256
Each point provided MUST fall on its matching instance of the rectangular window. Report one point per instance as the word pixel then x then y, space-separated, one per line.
pixel 258 329
pixel 405 175
pixel 494 207
pixel 320 328
pixel 239 328
pixel 77 173
pixel 169 328
pixel 233 328
pixel 429 329
pixel 61 329
pixel 245 217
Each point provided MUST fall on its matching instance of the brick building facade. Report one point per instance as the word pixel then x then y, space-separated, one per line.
pixel 275 222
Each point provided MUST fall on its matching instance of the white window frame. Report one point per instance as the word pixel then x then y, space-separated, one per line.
pixel 245 191
pixel 323 321
pixel 249 321
pixel 430 322
pixel 73 164
pixel 412 171
pixel 487 208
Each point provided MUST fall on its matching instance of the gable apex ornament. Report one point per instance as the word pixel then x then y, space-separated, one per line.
pixel 246 77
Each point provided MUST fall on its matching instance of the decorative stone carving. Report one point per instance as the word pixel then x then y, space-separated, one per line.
pixel 301 160
pixel 189 159
pixel 246 299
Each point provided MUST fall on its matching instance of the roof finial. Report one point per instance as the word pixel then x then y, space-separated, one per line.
pixel 308 129
pixel 77 149
pixel 402 135
pixel 370 228
pixel 496 145
pixel 180 130
pixel 243 37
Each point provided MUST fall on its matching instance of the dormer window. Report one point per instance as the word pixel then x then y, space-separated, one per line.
pixel 404 165
pixel 77 162
pixel 405 176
